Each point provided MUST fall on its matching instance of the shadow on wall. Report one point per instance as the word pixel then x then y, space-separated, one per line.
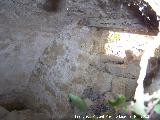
pixel 52 5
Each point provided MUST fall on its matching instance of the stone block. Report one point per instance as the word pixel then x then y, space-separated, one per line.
pixel 119 85
pixel 126 71
pixel 124 86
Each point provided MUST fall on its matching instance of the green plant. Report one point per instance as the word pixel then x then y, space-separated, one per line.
pixel 77 102
pixel 118 102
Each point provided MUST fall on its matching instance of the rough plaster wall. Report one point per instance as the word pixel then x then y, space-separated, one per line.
pixel 44 56
pixel 68 65
pixel 25 37
pixel 25 31
pixel 74 62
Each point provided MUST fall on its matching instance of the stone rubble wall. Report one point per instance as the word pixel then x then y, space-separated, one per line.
pixel 44 56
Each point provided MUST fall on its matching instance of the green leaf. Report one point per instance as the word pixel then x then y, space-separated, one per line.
pixel 157 109
pixel 118 101
pixel 125 108
pixel 78 102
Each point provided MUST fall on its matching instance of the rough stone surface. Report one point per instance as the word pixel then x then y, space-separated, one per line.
pixel 46 55
pixel 3 112
pixel 118 17
pixel 22 42
pixel 121 83
pixel 126 71
pixel 25 115
pixel 77 68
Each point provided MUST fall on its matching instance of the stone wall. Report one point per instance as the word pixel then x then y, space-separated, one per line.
pixel 46 55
